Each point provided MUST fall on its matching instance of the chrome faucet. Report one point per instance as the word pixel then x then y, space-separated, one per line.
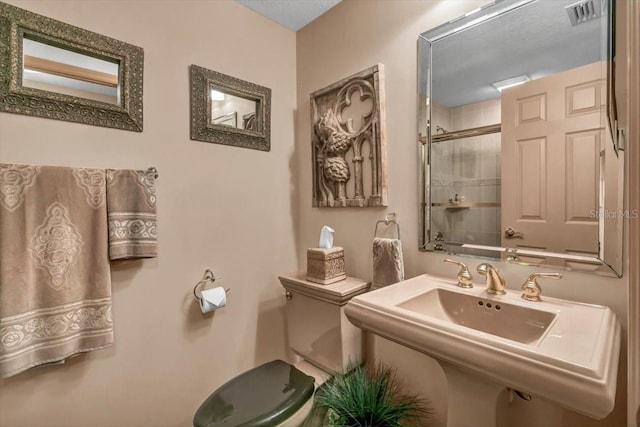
pixel 495 283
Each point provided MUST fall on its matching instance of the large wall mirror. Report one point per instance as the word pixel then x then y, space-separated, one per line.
pixel 519 160
pixel 58 71
pixel 227 110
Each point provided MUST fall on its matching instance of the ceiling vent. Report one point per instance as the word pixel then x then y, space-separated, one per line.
pixel 584 11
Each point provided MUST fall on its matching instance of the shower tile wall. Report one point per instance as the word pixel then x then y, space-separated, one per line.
pixel 469 167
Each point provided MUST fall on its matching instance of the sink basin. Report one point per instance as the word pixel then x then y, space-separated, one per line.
pixel 510 321
pixel 563 351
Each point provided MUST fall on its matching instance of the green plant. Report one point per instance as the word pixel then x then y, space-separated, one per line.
pixel 370 397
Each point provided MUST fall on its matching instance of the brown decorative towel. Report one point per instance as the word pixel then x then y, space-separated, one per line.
pixel 388 263
pixel 55 290
pixel 131 207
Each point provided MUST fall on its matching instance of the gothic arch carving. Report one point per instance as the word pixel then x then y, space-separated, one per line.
pixel 337 141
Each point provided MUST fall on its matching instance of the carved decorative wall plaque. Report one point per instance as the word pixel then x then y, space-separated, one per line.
pixel 348 139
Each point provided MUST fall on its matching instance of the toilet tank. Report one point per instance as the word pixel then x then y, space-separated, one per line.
pixel 317 327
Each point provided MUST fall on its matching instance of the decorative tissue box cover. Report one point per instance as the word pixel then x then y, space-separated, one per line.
pixel 325 266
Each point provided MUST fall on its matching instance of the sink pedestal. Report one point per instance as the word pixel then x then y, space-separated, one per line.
pixel 473 400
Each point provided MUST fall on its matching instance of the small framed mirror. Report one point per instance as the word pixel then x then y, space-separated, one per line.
pixel 227 110
pixel 58 71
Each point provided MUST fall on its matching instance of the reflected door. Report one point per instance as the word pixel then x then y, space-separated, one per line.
pixel 551 133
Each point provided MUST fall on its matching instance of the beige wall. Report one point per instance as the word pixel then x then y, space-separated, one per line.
pixel 350 37
pixel 167 357
pixel 221 207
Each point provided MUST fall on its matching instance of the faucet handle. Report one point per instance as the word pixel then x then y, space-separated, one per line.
pixel 531 289
pixel 464 276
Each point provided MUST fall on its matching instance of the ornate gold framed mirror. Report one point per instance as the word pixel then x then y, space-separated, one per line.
pixel 230 111
pixel 58 71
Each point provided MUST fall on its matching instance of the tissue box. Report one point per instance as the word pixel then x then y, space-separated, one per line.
pixel 325 266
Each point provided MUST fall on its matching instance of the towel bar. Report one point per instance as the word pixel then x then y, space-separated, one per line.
pixel 208 277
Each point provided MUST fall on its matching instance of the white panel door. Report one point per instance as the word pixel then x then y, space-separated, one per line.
pixel 551 137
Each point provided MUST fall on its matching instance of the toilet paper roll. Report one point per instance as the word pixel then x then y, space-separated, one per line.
pixel 212 299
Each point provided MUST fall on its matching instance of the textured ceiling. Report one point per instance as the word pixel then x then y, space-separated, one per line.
pixel 293 14
pixel 536 39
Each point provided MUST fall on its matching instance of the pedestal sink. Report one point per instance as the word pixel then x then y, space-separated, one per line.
pixel 562 351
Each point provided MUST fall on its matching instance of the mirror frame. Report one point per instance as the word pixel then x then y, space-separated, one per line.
pixel 202 129
pixel 427 242
pixel 16 98
pixel 612 110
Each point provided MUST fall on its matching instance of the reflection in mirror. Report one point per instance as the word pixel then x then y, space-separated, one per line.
pixel 249 122
pixel 230 111
pixel 228 119
pixel 226 108
pixel 519 163
pixel 59 70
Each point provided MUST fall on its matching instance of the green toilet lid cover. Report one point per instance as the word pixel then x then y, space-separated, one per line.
pixel 263 396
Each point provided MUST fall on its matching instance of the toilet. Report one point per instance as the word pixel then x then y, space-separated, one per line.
pixel 279 394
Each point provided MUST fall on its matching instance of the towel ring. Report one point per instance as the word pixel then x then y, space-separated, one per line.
pixel 390 218
pixel 208 278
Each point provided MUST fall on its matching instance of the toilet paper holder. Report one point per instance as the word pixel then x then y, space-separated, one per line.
pixel 208 279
